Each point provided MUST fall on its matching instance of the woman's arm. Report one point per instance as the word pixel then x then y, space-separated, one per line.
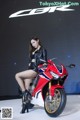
pixel 42 56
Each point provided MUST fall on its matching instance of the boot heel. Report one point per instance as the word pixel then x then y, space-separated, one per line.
pixel 27 107
pixel 23 109
pixel 27 110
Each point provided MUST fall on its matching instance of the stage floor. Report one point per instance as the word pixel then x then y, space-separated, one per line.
pixel 71 111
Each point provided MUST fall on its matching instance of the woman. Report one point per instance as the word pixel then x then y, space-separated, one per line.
pixel 36 53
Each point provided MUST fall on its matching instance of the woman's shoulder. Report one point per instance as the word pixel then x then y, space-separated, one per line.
pixel 43 48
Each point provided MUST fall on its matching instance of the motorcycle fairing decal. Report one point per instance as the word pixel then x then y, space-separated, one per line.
pixel 43 75
pixel 41 70
pixel 38 93
pixel 60 72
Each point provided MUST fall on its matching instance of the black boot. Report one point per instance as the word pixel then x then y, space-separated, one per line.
pixel 23 109
pixel 29 95
pixel 26 99
pixel 30 105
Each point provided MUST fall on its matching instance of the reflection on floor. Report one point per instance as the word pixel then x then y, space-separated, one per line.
pixel 71 111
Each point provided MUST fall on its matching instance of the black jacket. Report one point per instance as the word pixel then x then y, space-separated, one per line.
pixel 38 55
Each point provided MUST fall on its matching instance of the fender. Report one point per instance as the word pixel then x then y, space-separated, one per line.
pixel 52 89
pixel 37 11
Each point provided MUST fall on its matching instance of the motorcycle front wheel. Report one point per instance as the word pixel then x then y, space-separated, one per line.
pixel 54 105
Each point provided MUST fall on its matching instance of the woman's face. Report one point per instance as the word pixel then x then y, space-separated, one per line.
pixel 35 43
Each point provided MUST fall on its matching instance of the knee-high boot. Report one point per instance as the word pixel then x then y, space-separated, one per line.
pixel 26 101
pixel 24 97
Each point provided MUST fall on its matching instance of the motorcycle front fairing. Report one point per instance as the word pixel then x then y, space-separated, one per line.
pixel 52 74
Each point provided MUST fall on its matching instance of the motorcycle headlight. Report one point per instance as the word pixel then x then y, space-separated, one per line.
pixel 54 75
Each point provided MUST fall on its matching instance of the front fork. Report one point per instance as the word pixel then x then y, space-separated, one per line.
pixel 53 87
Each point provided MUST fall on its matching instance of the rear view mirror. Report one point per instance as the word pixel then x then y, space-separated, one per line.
pixel 71 65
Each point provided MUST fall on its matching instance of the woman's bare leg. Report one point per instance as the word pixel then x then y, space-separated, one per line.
pixel 20 81
pixel 24 78
pixel 27 83
pixel 28 75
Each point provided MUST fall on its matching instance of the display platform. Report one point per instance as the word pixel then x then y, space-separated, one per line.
pixel 71 111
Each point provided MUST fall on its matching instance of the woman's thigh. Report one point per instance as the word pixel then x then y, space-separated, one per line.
pixel 27 74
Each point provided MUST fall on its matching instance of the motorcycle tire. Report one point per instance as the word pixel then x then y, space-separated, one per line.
pixel 54 105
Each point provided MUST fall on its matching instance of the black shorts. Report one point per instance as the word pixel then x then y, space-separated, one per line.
pixel 32 67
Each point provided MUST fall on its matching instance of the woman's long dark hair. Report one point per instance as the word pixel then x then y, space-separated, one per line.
pixel 31 48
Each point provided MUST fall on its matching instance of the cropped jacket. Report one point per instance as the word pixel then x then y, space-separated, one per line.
pixel 37 58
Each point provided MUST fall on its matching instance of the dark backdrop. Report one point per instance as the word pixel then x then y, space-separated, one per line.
pixel 60 35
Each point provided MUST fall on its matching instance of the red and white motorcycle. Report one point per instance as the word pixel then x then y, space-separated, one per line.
pixel 49 90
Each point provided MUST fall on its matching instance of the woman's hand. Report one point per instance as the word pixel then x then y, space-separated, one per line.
pixel 33 60
pixel 45 64
pixel 29 64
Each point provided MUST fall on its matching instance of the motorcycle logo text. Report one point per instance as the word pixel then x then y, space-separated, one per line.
pixel 37 11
